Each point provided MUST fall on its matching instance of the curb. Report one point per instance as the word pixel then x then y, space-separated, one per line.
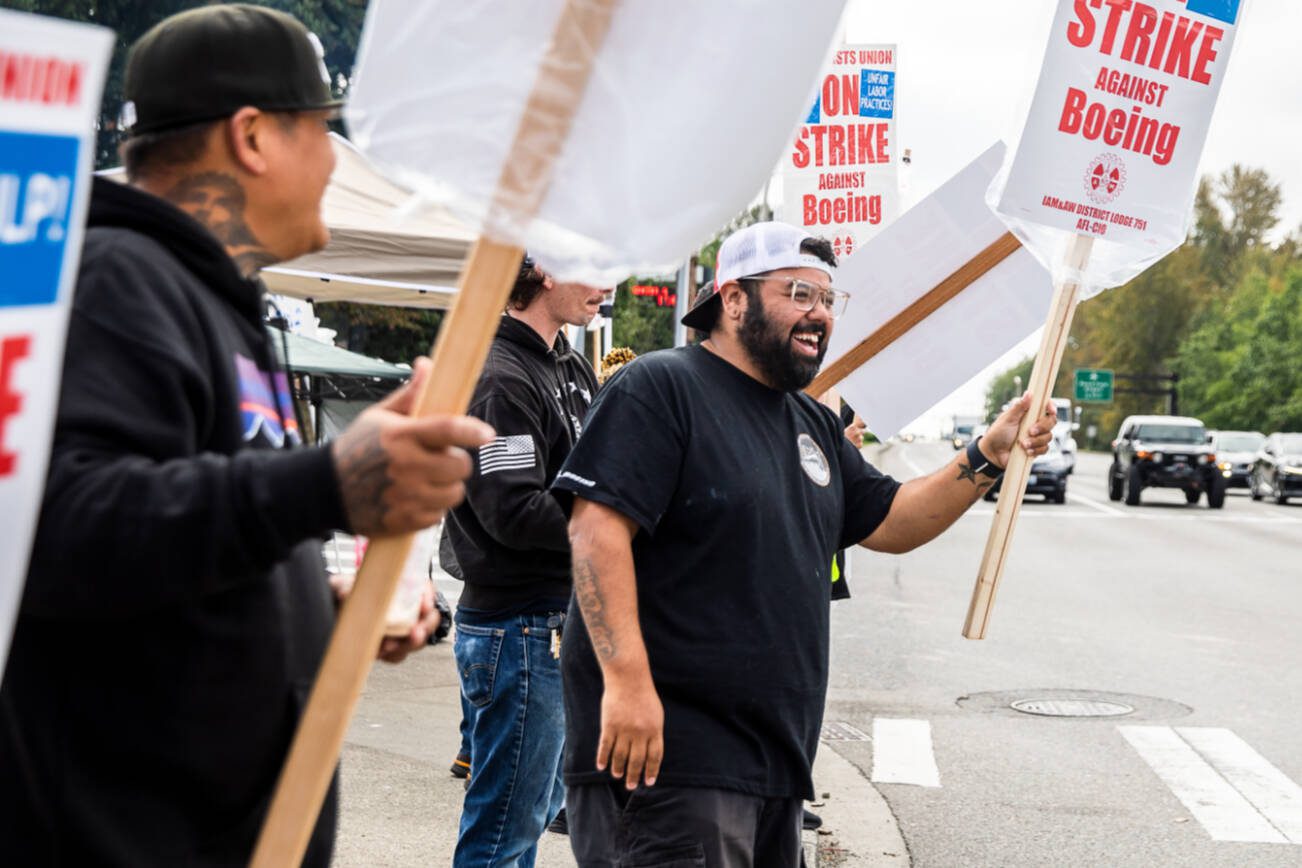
pixel 859 830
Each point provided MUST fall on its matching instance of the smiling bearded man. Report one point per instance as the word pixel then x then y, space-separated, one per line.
pixel 709 495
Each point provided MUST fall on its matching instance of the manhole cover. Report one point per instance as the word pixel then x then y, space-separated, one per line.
pixel 837 731
pixel 1072 703
pixel 1072 707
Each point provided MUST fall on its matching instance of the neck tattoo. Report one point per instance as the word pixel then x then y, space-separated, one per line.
pixel 217 201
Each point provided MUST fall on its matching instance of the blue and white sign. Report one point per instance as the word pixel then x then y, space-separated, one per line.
pixel 840 178
pixel 38 176
pixel 53 75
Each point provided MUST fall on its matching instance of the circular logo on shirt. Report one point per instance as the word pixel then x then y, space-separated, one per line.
pixel 813 461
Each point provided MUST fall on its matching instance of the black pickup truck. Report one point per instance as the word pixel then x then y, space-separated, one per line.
pixel 1164 452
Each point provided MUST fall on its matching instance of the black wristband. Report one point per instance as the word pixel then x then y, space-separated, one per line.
pixel 979 463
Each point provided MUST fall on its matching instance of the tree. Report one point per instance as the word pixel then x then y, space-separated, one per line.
pixel 396 334
pixel 639 323
pixel 1007 386
pixel 338 24
pixel 1233 214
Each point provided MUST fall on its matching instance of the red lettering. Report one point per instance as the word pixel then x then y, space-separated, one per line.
pixel 831 96
pixel 1071 111
pixel 1080 32
pixel 1206 54
pixel 836 146
pixel 1114 19
pixel 1159 44
pixel 47 80
pixel 818 133
pixel 850 95
pixel 800 157
pixel 1115 128
pixel 1186 32
pixel 1135 46
pixel 11 351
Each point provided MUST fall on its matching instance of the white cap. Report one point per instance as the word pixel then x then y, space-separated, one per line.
pixel 751 250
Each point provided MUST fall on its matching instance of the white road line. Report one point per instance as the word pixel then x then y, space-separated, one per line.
pixel 913 465
pixel 1271 791
pixel 1199 517
pixel 1221 809
pixel 902 753
pixel 1094 504
pixel 1047 512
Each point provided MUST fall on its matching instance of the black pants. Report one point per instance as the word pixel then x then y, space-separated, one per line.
pixel 681 827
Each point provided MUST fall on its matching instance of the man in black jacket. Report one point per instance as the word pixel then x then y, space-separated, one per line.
pixel 176 607
pixel 508 542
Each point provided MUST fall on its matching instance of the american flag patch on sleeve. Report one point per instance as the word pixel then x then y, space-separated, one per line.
pixel 514 452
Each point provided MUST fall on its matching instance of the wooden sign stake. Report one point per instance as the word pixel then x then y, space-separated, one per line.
pixel 458 357
pixel 927 304
pixel 1013 488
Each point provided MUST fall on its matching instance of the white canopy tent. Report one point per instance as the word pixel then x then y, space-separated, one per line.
pixel 385 248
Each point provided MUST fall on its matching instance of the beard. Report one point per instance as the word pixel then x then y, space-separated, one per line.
pixel 770 349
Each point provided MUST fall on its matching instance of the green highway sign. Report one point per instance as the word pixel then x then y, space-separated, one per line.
pixel 1093 385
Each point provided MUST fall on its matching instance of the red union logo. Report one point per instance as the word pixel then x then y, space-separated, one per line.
pixel 1105 178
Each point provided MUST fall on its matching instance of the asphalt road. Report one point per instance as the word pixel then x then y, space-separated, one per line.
pixel 1190 616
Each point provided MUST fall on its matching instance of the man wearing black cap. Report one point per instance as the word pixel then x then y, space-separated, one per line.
pixel 706 487
pixel 176 608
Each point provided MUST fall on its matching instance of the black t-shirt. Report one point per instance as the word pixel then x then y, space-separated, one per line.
pixel 742 494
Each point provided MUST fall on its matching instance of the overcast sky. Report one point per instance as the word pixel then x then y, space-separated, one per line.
pixel 966 72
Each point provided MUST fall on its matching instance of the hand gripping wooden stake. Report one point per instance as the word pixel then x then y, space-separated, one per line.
pixel 458 357
pixel 1043 374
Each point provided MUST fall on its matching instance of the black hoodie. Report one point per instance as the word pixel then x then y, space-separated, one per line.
pixel 176 607
pixel 508 539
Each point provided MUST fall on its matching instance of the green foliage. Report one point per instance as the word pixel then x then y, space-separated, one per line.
pixel 1241 366
pixel 638 323
pixel 338 23
pixel 395 334
pixel 1224 311
pixel 1005 387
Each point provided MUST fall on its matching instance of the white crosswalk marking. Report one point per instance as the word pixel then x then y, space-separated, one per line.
pixel 902 753
pixel 1271 792
pixel 1219 807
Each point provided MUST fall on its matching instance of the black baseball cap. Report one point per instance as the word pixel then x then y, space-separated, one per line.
pixel 208 63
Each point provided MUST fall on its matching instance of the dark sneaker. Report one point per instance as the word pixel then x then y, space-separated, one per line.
pixel 561 826
pixel 810 821
pixel 460 766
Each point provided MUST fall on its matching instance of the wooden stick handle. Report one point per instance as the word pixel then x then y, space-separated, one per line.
pixel 458 357
pixel 927 304
pixel 1013 488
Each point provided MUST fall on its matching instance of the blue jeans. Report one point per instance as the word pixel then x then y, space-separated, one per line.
pixel 511 687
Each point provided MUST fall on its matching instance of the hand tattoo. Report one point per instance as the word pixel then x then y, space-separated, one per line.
pixel 363 468
pixel 593 607
pixel 218 202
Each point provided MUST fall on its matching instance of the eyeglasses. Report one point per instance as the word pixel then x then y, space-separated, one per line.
pixel 805 295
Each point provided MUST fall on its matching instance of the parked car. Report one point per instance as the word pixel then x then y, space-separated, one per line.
pixel 960 433
pixel 1048 476
pixel 1236 452
pixel 1277 472
pixel 1164 452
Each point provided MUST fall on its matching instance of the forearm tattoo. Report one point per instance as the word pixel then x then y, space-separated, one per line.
pixel 363 468
pixel 218 202
pixel 965 471
pixel 593 606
